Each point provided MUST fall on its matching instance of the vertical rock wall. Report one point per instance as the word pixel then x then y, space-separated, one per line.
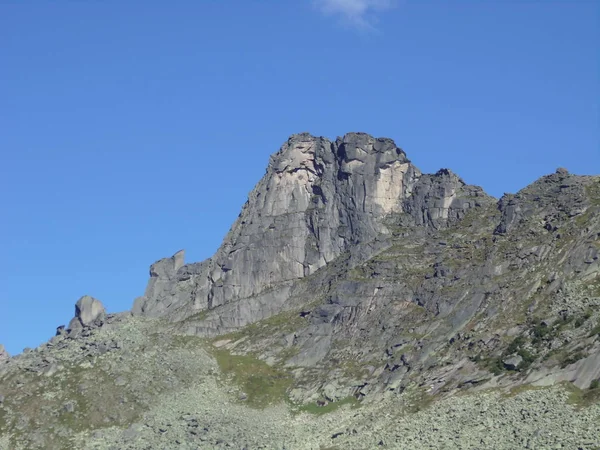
pixel 317 199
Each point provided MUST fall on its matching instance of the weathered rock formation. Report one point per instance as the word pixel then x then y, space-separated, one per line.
pixel 88 312
pixel 348 277
pixel 388 256
pixel 3 353
pixel 317 200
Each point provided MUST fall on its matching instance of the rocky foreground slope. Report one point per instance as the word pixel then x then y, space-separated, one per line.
pixel 355 303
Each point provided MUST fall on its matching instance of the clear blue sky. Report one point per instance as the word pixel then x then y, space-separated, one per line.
pixel 132 129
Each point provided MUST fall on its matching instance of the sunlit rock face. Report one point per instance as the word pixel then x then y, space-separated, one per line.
pixel 88 311
pixel 317 200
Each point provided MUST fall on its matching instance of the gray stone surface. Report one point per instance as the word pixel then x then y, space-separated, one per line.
pixel 88 311
pixel 172 394
pixel 317 200
pixel 394 259
pixel 3 353
pixel 512 362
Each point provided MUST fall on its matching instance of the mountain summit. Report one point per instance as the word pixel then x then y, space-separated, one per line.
pixel 351 293
pixel 318 200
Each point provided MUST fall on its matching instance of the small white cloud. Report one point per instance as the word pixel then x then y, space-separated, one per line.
pixel 356 12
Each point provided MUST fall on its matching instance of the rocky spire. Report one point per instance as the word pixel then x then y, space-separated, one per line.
pixel 317 200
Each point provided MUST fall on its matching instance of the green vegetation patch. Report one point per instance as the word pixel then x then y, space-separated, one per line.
pixel 517 346
pixel 583 398
pixel 595 331
pixel 541 333
pixel 493 365
pixel 523 388
pixel 317 409
pixel 571 358
pixel 184 341
pixel 593 195
pixel 264 385
pixel 198 317
pixel 419 400
pixel 593 192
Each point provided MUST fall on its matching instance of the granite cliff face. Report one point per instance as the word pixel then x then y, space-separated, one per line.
pixel 350 279
pixel 390 267
pixel 318 200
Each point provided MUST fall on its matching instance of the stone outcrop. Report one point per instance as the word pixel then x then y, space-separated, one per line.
pixel 162 276
pixel 442 199
pixel 88 312
pixel 3 353
pixel 318 200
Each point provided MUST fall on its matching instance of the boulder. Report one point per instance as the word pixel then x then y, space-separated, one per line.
pixel 88 312
pixel 512 362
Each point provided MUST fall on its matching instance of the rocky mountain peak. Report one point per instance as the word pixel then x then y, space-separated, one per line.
pixel 317 200
pixel 364 282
